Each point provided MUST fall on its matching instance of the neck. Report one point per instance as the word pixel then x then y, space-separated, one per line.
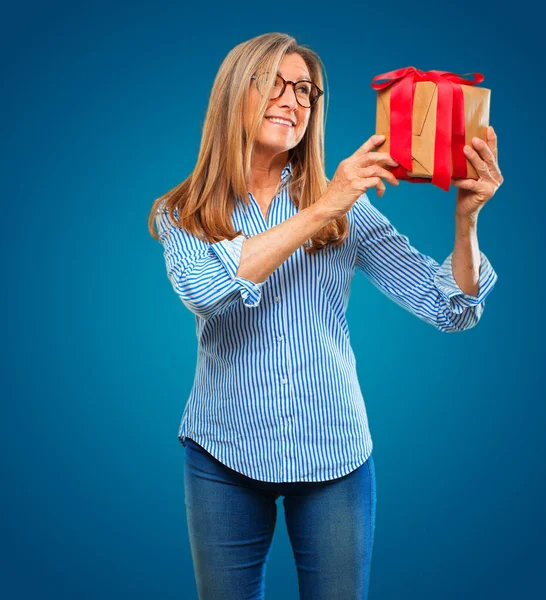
pixel 265 172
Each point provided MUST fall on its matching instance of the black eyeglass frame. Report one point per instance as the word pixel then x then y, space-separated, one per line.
pixel 294 83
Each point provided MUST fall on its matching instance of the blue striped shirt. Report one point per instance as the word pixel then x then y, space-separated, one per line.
pixel 276 394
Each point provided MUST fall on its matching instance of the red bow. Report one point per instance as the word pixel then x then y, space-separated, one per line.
pixel 450 121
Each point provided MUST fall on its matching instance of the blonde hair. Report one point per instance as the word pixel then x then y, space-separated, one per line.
pixel 205 200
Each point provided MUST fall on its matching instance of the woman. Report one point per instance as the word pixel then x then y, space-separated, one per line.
pixel 262 247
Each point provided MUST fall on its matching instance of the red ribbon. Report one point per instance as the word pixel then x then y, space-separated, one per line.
pixel 450 121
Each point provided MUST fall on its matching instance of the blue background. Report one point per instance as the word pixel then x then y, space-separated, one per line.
pixel 102 112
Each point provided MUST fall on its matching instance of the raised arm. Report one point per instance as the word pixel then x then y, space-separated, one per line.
pixel 413 280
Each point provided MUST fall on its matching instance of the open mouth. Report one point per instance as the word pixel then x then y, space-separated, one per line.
pixel 279 123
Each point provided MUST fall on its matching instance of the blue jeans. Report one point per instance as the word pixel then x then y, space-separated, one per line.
pixel 231 520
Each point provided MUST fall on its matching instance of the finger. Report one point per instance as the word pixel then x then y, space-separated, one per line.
pixel 370 144
pixel 479 164
pixel 379 171
pixel 465 184
pixel 481 190
pixel 486 153
pixel 378 157
pixel 492 142
pixel 376 182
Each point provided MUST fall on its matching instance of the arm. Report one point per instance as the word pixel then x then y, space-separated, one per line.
pixel 413 280
pixel 466 255
pixel 209 278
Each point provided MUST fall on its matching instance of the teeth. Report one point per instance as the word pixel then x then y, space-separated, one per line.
pixel 275 120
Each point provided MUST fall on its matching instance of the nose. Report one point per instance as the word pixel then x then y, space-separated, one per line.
pixel 288 97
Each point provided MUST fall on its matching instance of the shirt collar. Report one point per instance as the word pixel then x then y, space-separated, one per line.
pixel 285 174
pixel 287 171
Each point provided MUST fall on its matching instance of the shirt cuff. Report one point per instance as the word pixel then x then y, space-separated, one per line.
pixel 229 253
pixel 452 293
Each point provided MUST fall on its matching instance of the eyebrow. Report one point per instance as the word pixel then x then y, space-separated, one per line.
pixel 305 77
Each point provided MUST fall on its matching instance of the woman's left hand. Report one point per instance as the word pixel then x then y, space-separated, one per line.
pixel 473 194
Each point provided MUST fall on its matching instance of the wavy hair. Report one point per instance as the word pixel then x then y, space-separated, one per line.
pixel 205 200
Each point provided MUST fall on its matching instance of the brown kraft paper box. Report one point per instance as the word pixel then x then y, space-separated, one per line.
pixel 476 108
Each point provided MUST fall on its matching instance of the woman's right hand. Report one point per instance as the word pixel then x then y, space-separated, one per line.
pixel 356 175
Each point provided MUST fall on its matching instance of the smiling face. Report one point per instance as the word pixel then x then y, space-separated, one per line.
pixel 274 138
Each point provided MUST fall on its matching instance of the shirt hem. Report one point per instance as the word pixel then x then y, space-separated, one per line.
pixel 203 441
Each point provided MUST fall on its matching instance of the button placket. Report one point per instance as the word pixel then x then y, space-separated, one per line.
pixel 288 365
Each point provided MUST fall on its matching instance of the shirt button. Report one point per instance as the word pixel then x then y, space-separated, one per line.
pixel 280 338
pixel 284 381
pixel 276 298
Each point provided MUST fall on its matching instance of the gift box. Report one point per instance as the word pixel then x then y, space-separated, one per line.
pixel 427 117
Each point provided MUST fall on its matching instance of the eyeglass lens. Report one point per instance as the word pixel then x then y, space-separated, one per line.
pixel 306 92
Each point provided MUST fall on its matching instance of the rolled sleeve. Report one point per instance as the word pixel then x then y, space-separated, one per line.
pixel 452 293
pixel 204 275
pixel 229 253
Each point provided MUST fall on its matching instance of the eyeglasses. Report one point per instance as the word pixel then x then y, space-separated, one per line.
pixel 307 93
